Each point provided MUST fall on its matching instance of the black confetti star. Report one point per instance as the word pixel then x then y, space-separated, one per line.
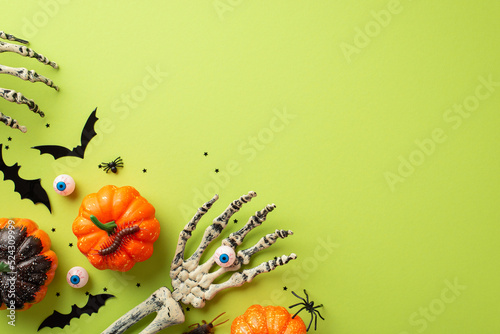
pixel 87 293
pixel 9 139
pixel 47 125
pixel 138 285
pixel 188 309
pixel 235 221
pixel 7 147
pixel 217 170
pixel 57 294
pixel 105 289
pixel 70 244
pixel 144 170
pixel 285 288
pixel 205 154
pixel 53 229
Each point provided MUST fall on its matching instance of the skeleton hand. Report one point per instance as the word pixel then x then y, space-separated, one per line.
pixel 193 283
pixel 13 96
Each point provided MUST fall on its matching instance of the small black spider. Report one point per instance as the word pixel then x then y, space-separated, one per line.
pixel 309 307
pixel 113 165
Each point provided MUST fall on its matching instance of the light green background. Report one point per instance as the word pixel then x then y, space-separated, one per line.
pixel 355 121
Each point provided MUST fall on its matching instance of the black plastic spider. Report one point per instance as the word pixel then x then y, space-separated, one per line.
pixel 309 307
pixel 113 165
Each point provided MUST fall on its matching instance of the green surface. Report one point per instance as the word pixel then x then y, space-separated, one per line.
pixel 368 123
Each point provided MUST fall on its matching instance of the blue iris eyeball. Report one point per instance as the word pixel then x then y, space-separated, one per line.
pixel 224 256
pixel 64 185
pixel 77 277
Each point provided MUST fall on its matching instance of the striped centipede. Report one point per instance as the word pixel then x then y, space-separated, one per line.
pixel 115 242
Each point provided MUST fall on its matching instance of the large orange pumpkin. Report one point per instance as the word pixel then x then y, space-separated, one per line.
pixel 116 227
pixel 259 319
pixel 27 265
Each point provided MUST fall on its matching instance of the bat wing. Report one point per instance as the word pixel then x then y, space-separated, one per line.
pixel 88 133
pixel 30 189
pixel 57 319
pixel 93 305
pixel 56 151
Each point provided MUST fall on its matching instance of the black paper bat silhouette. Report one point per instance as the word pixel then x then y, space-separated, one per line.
pixel 88 133
pixel 60 320
pixel 31 189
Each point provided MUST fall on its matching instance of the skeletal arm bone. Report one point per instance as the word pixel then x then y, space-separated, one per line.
pixel 169 313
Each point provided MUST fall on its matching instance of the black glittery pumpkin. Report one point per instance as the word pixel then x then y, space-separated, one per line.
pixel 27 265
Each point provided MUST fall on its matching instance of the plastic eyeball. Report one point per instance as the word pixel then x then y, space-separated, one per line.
pixel 77 277
pixel 64 185
pixel 224 256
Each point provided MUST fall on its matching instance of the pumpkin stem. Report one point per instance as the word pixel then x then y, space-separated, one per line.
pixel 108 227
pixel 4 267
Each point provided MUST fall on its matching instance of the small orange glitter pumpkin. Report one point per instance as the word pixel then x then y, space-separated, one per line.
pixel 259 319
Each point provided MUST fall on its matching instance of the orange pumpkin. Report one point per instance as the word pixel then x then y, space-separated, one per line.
pixel 259 319
pixel 27 265
pixel 116 228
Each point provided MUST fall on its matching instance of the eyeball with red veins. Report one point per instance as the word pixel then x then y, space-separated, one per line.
pixel 64 185
pixel 224 256
pixel 77 277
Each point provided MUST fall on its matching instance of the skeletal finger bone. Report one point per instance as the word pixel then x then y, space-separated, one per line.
pixel 211 232
pixel 13 96
pixel 219 223
pixel 247 275
pixel 186 234
pixel 12 38
pixel 236 238
pixel 26 75
pixel 26 52
pixel 263 243
pixel 12 123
